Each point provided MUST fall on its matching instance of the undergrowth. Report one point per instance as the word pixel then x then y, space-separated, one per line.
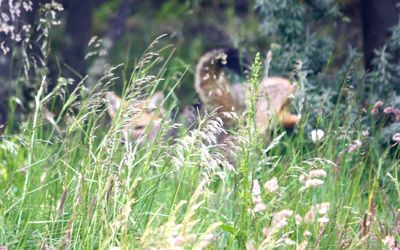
pixel 72 181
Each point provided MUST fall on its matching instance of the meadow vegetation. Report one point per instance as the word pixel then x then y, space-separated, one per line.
pixel 71 180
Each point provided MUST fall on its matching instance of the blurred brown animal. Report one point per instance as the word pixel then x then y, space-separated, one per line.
pixel 146 120
pixel 216 92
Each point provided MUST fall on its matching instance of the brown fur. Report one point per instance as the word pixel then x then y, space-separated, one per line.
pixel 212 86
pixel 147 121
pixel 215 92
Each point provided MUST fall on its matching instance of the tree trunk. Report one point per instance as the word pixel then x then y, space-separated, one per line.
pixel 241 7
pixel 78 31
pixel 378 16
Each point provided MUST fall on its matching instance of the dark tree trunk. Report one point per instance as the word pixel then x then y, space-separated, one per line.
pixel 4 69
pixel 378 16
pixel 4 78
pixel 78 31
pixel 4 84
pixel 241 7
pixel 118 26
pixel 114 33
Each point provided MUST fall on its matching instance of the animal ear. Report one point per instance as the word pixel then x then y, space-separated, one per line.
pixel 155 101
pixel 114 103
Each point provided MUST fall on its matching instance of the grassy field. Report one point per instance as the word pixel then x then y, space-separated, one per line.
pixel 68 182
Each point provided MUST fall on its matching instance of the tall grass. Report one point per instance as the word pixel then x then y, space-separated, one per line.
pixel 72 181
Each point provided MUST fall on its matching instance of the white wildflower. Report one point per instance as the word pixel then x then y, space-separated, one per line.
pixel 289 242
pixel 310 216
pixel 317 135
pixel 317 173
pixel 272 185
pixel 27 5
pixel 259 207
pixel 257 199
pixel 256 191
pixel 313 183
pixel 389 241
pixel 177 241
pixel 298 219
pixel 302 178
pixel 5 17
pixel 317 209
pixel 396 138
pixel 323 208
pixel 355 146
pixel 279 219
pixel 26 28
pixel 4 48
pixel 284 213
pixel 323 220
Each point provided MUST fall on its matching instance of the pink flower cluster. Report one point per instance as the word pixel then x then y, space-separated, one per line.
pixel 376 107
pixel 356 145
pixel 388 110
pixel 394 111
pixel 396 138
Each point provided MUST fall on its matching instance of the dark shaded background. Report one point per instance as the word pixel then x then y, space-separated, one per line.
pixel 128 26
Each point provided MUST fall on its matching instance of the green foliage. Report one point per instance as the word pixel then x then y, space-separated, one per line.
pixel 294 28
pixel 386 66
pixel 383 80
pixel 300 35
